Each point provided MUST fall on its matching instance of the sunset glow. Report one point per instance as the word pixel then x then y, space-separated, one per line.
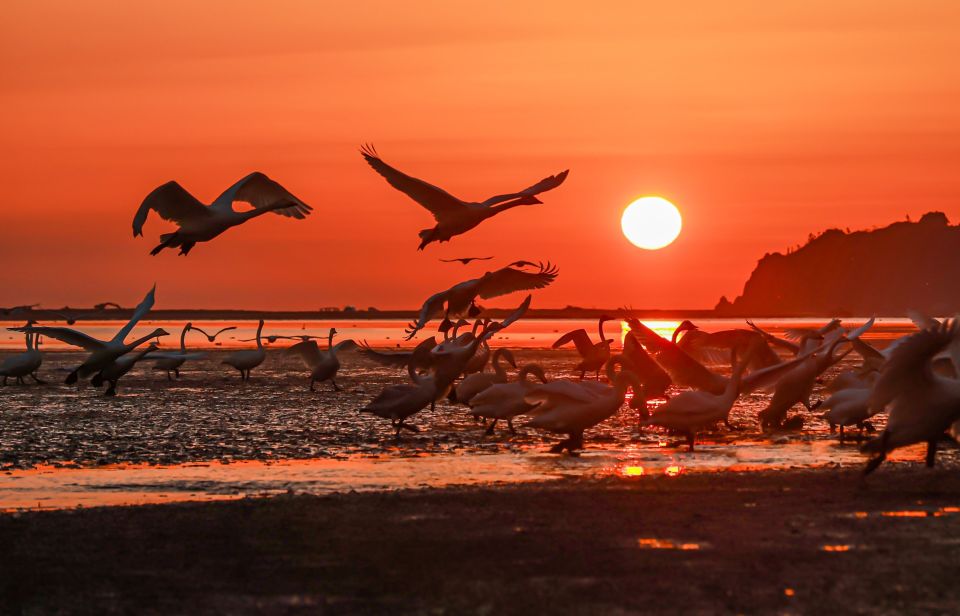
pixel 651 223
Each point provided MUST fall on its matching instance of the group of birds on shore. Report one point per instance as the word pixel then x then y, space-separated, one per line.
pixel 914 379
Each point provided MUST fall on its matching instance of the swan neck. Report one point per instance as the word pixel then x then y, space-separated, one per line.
pixel 259 339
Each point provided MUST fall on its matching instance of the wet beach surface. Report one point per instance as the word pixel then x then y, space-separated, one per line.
pixel 801 541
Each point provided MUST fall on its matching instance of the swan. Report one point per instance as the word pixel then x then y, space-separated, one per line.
pixel 419 356
pixel 796 386
pixel 102 352
pixel 454 216
pixel 922 404
pixel 692 411
pixel 323 365
pixel 721 345
pixel 594 356
pixel 684 370
pixel 460 299
pixel 570 407
pixel 850 406
pixel 198 222
pixel 399 402
pixel 475 383
pixel 24 364
pixel 170 361
pixel 112 372
pixel 465 260
pixel 655 379
pixel 212 337
pixel 505 400
pixel 247 360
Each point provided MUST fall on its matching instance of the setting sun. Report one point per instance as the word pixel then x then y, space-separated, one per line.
pixel 651 223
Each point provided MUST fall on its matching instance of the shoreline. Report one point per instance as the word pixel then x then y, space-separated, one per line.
pixel 806 541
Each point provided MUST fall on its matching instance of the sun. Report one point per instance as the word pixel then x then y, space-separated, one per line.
pixel 651 223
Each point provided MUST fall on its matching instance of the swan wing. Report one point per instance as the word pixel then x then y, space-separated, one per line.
pixel 508 280
pixel 908 368
pixel 547 183
pixel 921 320
pixel 439 202
pixel 345 345
pixel 64 334
pixel 141 311
pixel 308 350
pixel 579 338
pixel 171 202
pixel 263 193
pixel 507 322
pixel 431 309
pixel 561 388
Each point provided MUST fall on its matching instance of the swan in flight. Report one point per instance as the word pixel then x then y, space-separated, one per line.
pixel 247 360
pixel 594 355
pixel 201 223
pixel 112 372
pixel 922 404
pixel 570 407
pixel 102 352
pixel 465 260
pixel 718 347
pixel 692 411
pixel 24 364
pixel 506 400
pixel 454 216
pixel 212 337
pixel 475 383
pixel 460 299
pixel 323 365
pixel 170 361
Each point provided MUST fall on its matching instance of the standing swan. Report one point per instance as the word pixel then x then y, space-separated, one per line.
pixel 594 355
pixel 201 223
pixel 24 364
pixel 453 215
pixel 323 365
pixel 475 383
pixel 172 360
pixel 247 360
pixel 398 402
pixel 102 352
pixel 506 400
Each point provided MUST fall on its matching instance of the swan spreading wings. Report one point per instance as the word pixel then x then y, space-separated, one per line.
pixel 201 223
pixel 460 299
pixel 453 215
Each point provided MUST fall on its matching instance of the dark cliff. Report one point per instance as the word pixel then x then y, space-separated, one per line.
pixel 880 272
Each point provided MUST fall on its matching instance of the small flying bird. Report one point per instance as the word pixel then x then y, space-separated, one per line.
pixel 201 223
pixel 213 336
pixel 453 215
pixel 460 299
pixel 465 260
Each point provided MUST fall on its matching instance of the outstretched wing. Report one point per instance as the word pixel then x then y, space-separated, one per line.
pixel 263 193
pixel 225 329
pixel 509 320
pixel 908 368
pixel 172 202
pixel 547 183
pixel 579 338
pixel 431 309
pixel 308 351
pixel 438 201
pixel 64 334
pixel 507 280
pixel 141 311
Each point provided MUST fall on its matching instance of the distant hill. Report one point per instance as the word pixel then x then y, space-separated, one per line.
pixel 882 272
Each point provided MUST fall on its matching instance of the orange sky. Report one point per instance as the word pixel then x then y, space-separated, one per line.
pixel 761 120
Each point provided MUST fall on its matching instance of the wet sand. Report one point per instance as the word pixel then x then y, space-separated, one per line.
pixel 819 541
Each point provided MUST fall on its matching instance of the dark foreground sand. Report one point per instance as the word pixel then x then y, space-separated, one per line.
pixel 564 547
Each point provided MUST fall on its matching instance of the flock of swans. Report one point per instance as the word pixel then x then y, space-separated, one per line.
pixel 914 379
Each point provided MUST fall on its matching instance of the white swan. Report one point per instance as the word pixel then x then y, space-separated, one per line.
pixel 570 407
pixel 506 400
pixel 247 360
pixel 323 365
pixel 460 299
pixel 102 352
pixel 922 404
pixel 475 383
pixel 170 361
pixel 453 215
pixel 399 402
pixel 24 364
pixel 201 223
pixel 112 372
pixel 692 411
pixel 850 406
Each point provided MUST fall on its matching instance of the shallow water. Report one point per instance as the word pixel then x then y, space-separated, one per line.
pixel 292 439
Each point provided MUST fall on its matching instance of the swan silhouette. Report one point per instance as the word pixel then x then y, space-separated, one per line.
pixel 323 365
pixel 248 359
pixel 24 364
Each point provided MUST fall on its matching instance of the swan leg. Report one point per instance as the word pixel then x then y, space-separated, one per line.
pixel 404 426
pixel 169 378
pixel 176 371
pixel 489 430
pixel 576 442
pixel 931 452
pixel 19 380
pixel 582 373
pixel 879 458
pixel 691 438
pixel 112 390
pixel 559 447
pixel 335 386
pixel 36 380
pixel 311 384
pixel 510 425
pixel 4 381
pixel 841 432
